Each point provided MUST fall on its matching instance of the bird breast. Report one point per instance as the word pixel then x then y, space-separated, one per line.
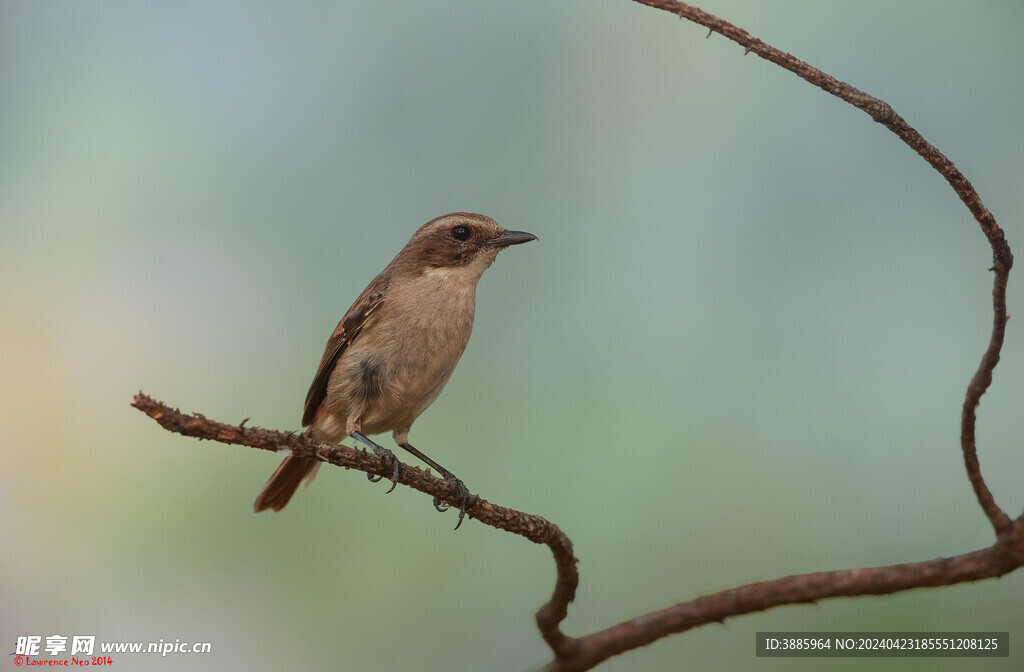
pixel 405 353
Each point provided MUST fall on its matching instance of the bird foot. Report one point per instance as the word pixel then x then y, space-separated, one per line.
pixel 390 462
pixel 466 499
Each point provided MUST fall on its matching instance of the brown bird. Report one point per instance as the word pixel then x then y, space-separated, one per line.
pixel 396 347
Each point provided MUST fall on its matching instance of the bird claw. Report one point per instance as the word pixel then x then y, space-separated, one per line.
pixel 394 477
pixel 466 498
pixel 390 462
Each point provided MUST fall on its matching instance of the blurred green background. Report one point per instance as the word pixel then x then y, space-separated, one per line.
pixel 738 351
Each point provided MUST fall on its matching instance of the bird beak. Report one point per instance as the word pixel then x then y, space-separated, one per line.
pixel 511 238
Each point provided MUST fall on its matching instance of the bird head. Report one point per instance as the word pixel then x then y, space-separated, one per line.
pixel 462 244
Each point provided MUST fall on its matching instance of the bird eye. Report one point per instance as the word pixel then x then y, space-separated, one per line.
pixel 461 233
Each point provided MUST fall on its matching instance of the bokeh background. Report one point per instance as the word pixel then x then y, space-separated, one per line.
pixel 738 351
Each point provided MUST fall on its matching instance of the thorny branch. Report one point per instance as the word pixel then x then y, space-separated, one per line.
pixel 572 654
pixel 880 111
pixel 534 528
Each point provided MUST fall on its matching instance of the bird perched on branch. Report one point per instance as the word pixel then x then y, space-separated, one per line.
pixel 396 347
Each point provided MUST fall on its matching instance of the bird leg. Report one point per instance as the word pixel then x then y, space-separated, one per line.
pixel 466 499
pixel 390 461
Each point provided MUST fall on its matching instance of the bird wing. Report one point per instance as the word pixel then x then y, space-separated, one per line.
pixel 346 332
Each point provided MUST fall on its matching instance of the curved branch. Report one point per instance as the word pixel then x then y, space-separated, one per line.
pixel 1006 555
pixel 536 529
pixel 881 112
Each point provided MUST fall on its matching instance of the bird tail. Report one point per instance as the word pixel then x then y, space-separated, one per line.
pixel 283 483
